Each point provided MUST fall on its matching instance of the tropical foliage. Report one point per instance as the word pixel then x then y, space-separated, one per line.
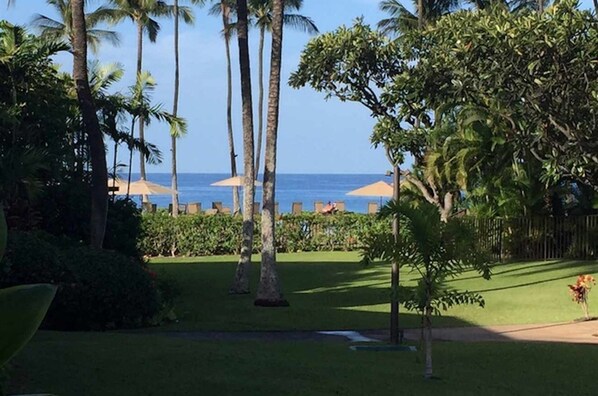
pixel 436 251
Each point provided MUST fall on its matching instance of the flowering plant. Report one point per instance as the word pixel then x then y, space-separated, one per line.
pixel 580 290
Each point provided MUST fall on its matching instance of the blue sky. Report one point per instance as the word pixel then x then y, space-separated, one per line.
pixel 315 135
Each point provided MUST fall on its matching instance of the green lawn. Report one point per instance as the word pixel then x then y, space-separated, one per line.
pixel 332 291
pixel 326 291
pixel 106 364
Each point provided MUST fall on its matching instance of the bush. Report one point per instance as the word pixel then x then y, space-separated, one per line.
pixel 123 227
pixel 108 290
pixel 96 289
pixel 200 235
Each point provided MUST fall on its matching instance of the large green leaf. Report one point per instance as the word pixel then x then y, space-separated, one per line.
pixel 22 309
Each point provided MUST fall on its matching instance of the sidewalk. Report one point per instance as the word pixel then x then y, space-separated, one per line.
pixel 569 332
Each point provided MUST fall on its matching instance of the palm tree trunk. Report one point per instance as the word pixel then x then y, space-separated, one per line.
pixel 420 14
pixel 141 118
pixel 540 6
pixel 268 292
pixel 175 106
pixel 229 104
pixel 394 275
pixel 99 172
pixel 131 136
pixel 114 174
pixel 596 6
pixel 260 103
pixel 428 342
pixel 241 281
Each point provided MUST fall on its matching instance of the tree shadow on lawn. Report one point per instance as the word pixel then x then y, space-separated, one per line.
pixel 323 296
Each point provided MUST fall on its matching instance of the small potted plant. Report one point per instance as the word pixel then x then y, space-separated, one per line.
pixel 580 290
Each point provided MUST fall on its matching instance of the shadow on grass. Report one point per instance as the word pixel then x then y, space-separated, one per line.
pixel 328 295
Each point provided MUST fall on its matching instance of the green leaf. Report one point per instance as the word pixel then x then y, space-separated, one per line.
pixel 22 309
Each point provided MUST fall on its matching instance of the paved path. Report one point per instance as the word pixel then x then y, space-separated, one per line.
pixel 570 332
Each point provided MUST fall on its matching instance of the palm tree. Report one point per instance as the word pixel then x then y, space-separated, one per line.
pixel 112 109
pixel 139 106
pixel 225 8
pixel 63 30
pixel 142 14
pixel 268 292
pixel 99 172
pixel 262 14
pixel 241 281
pixel 175 105
pixel 402 20
pixel 437 251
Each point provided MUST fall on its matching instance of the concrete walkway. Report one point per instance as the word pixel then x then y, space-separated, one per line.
pixel 570 332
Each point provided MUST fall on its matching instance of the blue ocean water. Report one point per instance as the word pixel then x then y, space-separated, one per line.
pixel 306 188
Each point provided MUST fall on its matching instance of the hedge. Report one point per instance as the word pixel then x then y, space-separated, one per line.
pixel 200 235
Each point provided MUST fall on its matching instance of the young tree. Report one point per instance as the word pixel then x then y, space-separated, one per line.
pixel 268 292
pixel 99 172
pixel 437 251
pixel 241 281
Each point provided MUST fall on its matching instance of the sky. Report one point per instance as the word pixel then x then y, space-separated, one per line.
pixel 315 135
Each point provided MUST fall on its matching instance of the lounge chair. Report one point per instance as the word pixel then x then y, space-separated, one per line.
pixel 194 208
pixel 318 206
pixel 372 207
pixel 256 208
pixel 340 206
pixel 217 206
pixel 297 208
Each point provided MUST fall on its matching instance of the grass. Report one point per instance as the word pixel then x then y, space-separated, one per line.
pixel 93 364
pixel 332 291
pixel 326 291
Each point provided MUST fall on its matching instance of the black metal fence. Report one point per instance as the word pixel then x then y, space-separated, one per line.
pixel 540 238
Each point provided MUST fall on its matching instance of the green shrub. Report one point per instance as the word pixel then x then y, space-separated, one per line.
pixel 108 290
pixel 200 235
pixel 96 289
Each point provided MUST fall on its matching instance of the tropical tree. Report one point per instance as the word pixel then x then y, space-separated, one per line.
pixel 99 172
pixel 269 292
pixel 241 280
pixel 437 251
pixel 402 20
pixel 143 13
pixel 225 8
pixel 261 12
pixel 139 107
pixel 112 110
pixel 62 30
pixel 175 106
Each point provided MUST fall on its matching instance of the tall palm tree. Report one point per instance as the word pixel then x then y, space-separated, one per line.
pixel 225 8
pixel 241 281
pixel 175 106
pixel 262 15
pixel 62 30
pixel 99 172
pixel 142 14
pixel 268 292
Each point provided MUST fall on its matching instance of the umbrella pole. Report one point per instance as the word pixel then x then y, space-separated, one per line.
pixel 394 278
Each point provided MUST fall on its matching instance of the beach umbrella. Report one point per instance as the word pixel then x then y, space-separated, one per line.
pixel 144 187
pixel 378 189
pixel 236 181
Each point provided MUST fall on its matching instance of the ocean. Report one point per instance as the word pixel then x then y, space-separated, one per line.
pixel 305 188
